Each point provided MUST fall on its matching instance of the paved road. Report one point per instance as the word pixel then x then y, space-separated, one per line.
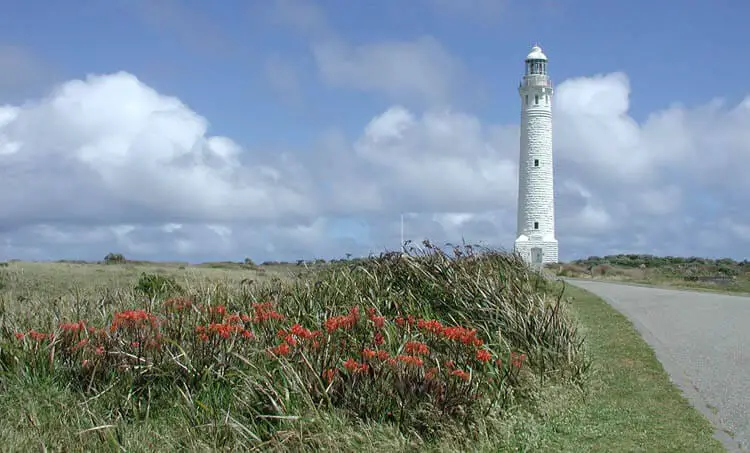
pixel 703 341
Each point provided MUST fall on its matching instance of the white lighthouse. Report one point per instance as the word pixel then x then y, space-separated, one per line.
pixel 535 236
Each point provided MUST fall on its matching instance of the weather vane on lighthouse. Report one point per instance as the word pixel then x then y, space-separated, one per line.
pixel 535 235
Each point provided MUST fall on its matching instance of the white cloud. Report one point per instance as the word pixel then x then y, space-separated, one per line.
pixel 441 161
pixel 109 144
pixel 109 164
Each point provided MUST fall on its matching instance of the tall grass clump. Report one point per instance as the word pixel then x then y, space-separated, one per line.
pixel 426 342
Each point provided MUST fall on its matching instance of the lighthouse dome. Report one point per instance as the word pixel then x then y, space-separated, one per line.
pixel 536 54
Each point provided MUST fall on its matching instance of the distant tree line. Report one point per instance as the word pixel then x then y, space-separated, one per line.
pixel 119 258
pixel 672 264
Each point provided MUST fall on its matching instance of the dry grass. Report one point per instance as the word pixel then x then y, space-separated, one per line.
pixel 662 272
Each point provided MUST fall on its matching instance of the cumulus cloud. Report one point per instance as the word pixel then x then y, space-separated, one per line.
pixel 111 147
pixel 108 163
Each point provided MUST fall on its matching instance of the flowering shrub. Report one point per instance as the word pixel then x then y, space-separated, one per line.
pixel 378 368
pixel 422 341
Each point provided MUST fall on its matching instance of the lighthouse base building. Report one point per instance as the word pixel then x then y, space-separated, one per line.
pixel 536 251
pixel 535 236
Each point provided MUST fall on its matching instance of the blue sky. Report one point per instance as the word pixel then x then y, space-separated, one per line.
pixel 645 90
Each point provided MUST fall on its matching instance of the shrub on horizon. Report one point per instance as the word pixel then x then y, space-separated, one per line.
pixel 114 258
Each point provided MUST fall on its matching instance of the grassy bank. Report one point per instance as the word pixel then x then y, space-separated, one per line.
pixel 703 274
pixel 630 404
pixel 428 353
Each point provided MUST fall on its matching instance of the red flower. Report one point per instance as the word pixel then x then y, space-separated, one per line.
pixel 232 319
pixel 483 355
pixel 342 322
pixel 379 321
pixel 282 349
pixel 462 335
pixel 38 336
pixel 178 303
pixel 219 310
pixel 432 326
pixel 264 311
pixel 73 327
pixel 80 344
pixel 132 319
pixel 222 330
pixel 354 367
pixel 19 335
pixel 379 339
pixel 351 365
pixel 461 374
pixel 517 359
pixel 416 348
pixel 301 332
pixel 410 360
pixel 328 375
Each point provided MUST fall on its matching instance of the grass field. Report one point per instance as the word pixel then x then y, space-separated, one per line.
pixel 722 275
pixel 242 398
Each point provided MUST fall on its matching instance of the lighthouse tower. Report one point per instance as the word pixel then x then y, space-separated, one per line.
pixel 535 236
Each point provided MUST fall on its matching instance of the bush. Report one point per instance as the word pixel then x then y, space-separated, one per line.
pixel 156 286
pixel 602 270
pixel 114 258
pixel 572 270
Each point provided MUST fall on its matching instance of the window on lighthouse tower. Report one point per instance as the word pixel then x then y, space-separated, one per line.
pixel 536 99
pixel 536 225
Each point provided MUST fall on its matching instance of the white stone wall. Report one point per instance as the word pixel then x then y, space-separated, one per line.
pixel 549 250
pixel 536 183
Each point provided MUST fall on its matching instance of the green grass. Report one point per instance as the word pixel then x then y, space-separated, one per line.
pixel 740 286
pixel 627 403
pixel 665 272
pixel 630 405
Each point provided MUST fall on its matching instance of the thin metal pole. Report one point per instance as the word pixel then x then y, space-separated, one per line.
pixel 403 249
